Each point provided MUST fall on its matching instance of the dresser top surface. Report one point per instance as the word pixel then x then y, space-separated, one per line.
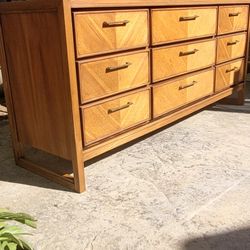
pixel 89 4
pixel 147 3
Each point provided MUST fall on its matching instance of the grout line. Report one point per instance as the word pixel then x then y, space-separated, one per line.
pixel 211 202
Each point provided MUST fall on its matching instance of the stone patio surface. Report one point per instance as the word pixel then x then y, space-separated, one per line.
pixel 186 187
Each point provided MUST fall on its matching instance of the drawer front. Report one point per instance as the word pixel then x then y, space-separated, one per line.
pixel 100 32
pixel 232 18
pixel 114 116
pixel 104 77
pixel 171 95
pixel 171 25
pixel 229 74
pixel 171 61
pixel 231 47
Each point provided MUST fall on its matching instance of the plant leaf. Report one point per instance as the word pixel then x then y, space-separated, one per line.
pixel 19 217
pixel 12 246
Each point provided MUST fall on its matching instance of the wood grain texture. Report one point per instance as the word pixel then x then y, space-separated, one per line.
pixel 232 19
pixel 174 94
pixel 110 75
pixel 37 84
pixel 17 147
pixel 229 74
pixel 231 47
pixel 136 3
pixel 153 126
pixel 169 61
pixel 170 25
pixel 110 117
pixel 67 43
pixel 100 32
pixel 29 6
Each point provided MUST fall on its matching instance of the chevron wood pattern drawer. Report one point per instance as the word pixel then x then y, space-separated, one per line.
pixel 110 117
pixel 176 93
pixel 102 32
pixel 229 74
pixel 232 19
pixel 231 47
pixel 170 25
pixel 106 76
pixel 174 60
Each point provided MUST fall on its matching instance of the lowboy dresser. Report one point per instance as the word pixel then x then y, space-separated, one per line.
pixel 83 77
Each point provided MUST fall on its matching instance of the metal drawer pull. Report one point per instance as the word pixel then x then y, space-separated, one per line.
pixel 113 24
pixel 110 111
pixel 187 53
pixel 232 43
pixel 230 70
pixel 126 65
pixel 188 85
pixel 188 18
pixel 234 14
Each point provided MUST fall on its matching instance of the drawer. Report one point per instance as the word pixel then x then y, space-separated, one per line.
pixel 174 94
pixel 229 74
pixel 231 47
pixel 111 117
pixel 232 18
pixel 178 24
pixel 101 32
pixel 175 60
pixel 103 77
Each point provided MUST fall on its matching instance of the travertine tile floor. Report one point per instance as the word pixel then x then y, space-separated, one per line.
pixel 186 187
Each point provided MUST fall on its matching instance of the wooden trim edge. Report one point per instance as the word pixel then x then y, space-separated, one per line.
pixel 48 174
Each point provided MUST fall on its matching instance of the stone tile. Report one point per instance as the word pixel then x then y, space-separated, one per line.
pixel 223 224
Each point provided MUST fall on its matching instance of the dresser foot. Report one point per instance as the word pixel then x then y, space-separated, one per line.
pixel 79 177
pixel 237 98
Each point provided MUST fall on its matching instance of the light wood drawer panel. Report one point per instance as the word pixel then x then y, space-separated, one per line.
pixel 174 60
pixel 110 31
pixel 231 47
pixel 174 94
pixel 232 18
pixel 171 25
pixel 229 74
pixel 104 77
pixel 114 116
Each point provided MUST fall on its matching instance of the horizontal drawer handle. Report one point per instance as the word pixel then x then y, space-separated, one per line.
pixel 231 70
pixel 126 65
pixel 110 111
pixel 188 85
pixel 113 24
pixel 188 18
pixel 187 53
pixel 234 14
pixel 232 43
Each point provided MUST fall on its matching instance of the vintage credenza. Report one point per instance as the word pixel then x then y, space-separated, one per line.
pixel 83 77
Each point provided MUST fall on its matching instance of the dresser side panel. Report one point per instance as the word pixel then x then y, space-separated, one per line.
pixel 37 80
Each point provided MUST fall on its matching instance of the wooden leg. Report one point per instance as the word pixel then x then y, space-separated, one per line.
pixel 79 177
pixel 46 173
pixel 237 98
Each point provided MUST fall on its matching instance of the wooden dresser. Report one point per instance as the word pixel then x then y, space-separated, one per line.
pixel 83 77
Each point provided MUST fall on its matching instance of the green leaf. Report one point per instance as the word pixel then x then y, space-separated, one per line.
pixel 12 246
pixel 19 217
pixel 10 234
pixel 26 246
pixel 3 210
pixel 11 229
